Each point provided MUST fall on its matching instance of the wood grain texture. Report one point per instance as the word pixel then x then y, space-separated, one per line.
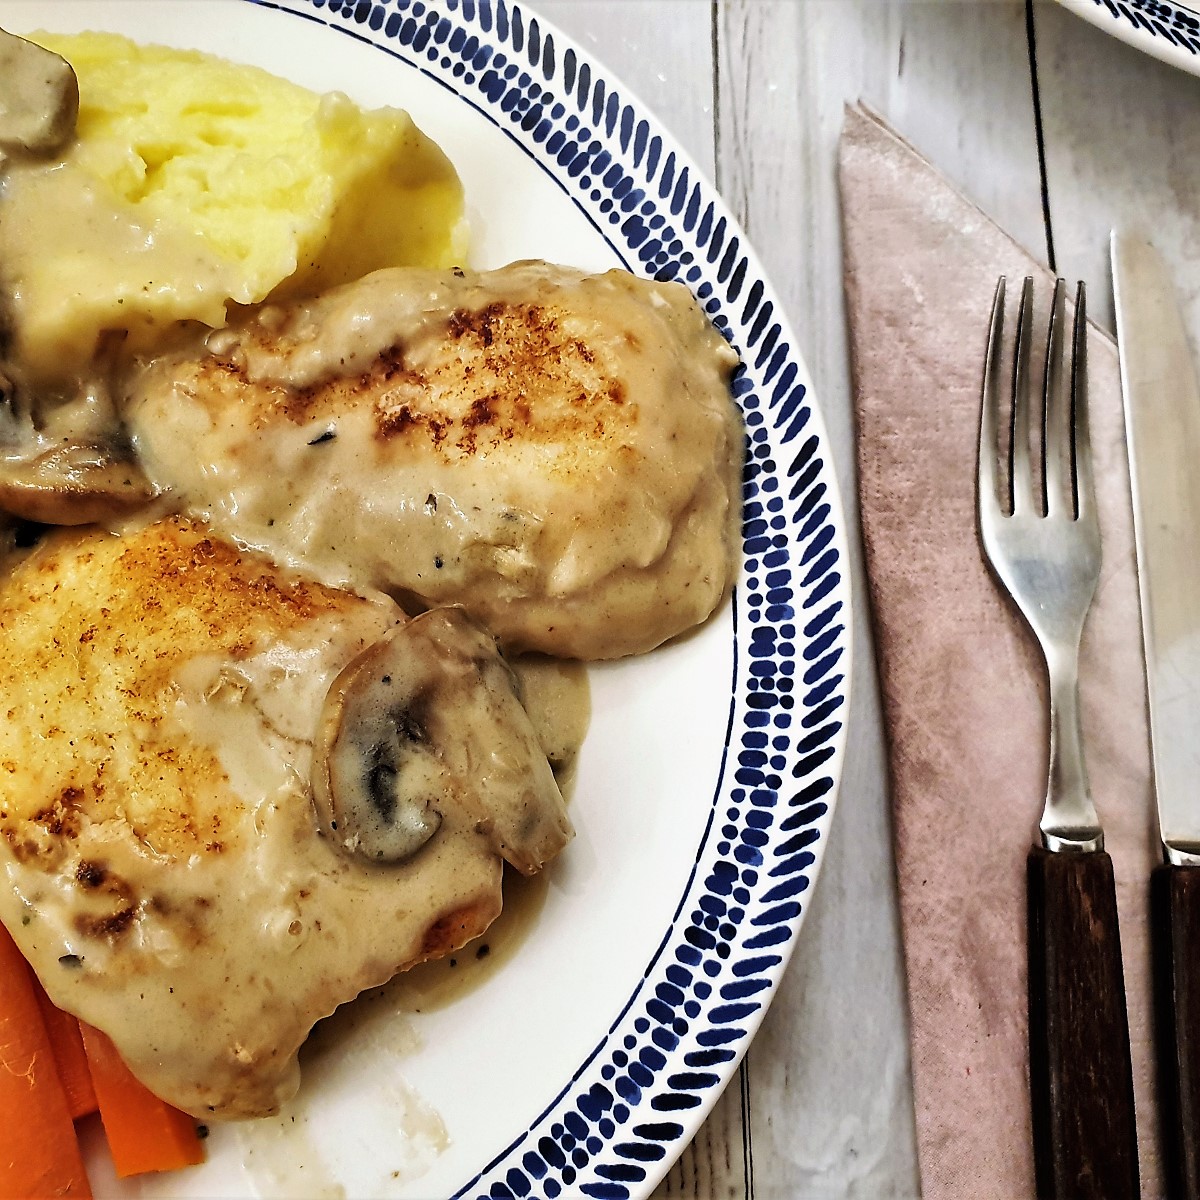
pixel 1122 133
pixel 661 50
pixel 1122 150
pixel 830 1090
pixel 830 1107
pixel 1081 1076
pixel 716 1165
pixel 1175 915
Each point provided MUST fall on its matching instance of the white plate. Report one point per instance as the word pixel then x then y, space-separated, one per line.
pixel 1165 29
pixel 586 1059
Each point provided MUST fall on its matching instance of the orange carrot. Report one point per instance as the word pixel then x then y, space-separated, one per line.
pixel 39 1156
pixel 144 1133
pixel 69 1055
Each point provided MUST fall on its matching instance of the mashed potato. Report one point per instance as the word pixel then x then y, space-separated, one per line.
pixel 193 182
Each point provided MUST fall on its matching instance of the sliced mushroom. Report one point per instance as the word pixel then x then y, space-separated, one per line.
pixel 426 727
pixel 75 483
pixel 377 778
pixel 39 97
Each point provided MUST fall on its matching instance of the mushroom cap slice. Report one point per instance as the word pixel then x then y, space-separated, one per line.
pixel 427 725
pixel 77 483
pixel 39 97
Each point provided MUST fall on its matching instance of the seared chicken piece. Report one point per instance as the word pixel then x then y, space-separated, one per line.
pixel 557 452
pixel 172 706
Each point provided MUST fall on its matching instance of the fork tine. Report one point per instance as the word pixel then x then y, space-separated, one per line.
pixel 989 419
pixel 1081 443
pixel 1020 474
pixel 1057 431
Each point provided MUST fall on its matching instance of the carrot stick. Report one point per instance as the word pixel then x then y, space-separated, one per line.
pixel 144 1133
pixel 39 1156
pixel 69 1055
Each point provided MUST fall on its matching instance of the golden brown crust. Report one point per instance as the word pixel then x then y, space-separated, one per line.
pixel 508 372
pixel 97 626
pixel 455 929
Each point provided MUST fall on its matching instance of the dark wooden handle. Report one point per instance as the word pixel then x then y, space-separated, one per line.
pixel 1175 925
pixel 1081 1079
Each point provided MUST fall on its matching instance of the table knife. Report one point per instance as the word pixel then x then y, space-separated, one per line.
pixel 1162 423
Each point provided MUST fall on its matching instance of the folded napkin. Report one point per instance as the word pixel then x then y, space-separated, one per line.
pixel 962 678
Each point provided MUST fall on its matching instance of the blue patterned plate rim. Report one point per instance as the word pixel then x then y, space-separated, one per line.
pixel 611 1129
pixel 1162 28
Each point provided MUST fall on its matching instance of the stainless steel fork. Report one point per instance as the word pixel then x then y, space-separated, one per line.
pixel 1044 542
pixel 1040 534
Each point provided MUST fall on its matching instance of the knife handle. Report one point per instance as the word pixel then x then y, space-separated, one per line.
pixel 1081 1077
pixel 1175 931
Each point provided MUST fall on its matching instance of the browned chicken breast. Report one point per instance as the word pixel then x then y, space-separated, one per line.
pixel 557 452
pixel 232 798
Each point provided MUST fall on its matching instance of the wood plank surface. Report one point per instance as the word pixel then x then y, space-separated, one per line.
pixel 1122 136
pixel 829 1091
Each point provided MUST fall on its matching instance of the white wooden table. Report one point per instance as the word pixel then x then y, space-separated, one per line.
pixel 755 90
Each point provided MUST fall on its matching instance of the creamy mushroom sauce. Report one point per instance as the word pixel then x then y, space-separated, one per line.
pixel 59 428
pixel 39 210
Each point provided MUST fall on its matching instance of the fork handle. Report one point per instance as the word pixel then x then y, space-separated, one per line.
pixel 1081 1077
pixel 1175 925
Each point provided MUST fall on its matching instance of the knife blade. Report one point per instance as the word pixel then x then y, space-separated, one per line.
pixel 1162 424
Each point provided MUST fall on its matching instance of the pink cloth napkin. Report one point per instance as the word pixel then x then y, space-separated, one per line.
pixel 962 679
